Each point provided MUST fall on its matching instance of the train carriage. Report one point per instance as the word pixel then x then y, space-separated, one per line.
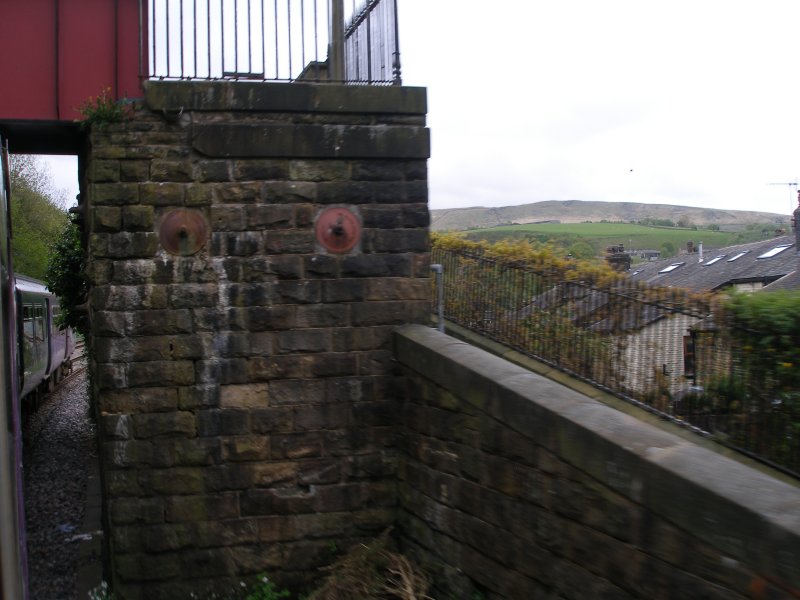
pixel 13 563
pixel 44 347
pixel 35 353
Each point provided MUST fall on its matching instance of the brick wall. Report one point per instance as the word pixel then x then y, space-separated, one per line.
pixel 247 392
pixel 514 486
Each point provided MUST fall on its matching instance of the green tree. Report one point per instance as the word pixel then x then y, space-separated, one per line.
pixel 65 277
pixel 37 215
pixel 667 249
pixel 582 250
pixel 765 330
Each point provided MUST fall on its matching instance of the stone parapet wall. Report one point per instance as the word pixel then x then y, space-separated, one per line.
pixel 247 392
pixel 513 486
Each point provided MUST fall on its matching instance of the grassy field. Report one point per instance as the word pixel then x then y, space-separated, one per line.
pixel 601 235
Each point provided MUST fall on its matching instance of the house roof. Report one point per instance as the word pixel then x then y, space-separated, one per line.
pixel 767 262
pixel 597 310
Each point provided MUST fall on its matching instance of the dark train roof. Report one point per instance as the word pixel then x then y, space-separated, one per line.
pixel 774 261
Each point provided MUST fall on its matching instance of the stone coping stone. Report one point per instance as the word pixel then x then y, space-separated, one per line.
pixel 311 141
pixel 744 513
pixel 284 97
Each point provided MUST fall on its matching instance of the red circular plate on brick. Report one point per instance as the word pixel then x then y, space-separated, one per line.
pixel 183 232
pixel 338 229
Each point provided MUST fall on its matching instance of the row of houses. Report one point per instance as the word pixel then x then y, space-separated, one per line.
pixel 767 264
pixel 653 337
pixel 674 339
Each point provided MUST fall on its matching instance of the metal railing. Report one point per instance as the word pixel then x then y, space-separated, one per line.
pixel 666 350
pixel 372 47
pixel 270 40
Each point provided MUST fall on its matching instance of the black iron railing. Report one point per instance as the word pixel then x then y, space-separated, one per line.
pixel 667 350
pixel 372 47
pixel 271 40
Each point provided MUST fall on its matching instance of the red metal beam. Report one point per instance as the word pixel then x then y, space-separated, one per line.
pixel 54 54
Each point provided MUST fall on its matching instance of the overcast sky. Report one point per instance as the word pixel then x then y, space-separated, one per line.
pixel 693 102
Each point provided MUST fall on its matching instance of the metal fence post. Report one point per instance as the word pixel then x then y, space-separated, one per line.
pixel 397 78
pixel 336 43
pixel 439 274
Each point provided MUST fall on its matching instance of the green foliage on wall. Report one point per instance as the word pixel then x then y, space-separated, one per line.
pixel 103 110
pixel 545 257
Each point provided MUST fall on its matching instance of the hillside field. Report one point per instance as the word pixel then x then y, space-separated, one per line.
pixel 601 235
pixel 581 211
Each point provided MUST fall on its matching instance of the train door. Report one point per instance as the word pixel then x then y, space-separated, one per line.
pixel 13 562
pixel 33 335
pixel 48 334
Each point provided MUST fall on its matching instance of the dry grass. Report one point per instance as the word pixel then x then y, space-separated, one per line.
pixel 373 572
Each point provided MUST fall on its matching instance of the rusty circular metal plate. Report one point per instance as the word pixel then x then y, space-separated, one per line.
pixel 183 232
pixel 338 229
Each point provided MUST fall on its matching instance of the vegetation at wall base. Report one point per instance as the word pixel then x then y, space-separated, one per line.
pixel 373 571
pixel 264 589
pixel 369 571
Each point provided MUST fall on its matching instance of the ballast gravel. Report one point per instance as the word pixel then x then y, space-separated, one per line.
pixel 59 449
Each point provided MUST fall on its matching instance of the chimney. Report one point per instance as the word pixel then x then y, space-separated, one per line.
pixel 700 251
pixel 690 247
pixel 617 258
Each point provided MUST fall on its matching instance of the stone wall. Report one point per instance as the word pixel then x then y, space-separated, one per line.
pixel 246 392
pixel 514 486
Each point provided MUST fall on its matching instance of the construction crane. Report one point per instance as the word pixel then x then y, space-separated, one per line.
pixel 791 193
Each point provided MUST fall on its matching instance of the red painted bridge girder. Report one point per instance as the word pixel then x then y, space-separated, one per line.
pixel 55 54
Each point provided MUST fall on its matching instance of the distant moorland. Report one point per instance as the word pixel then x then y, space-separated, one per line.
pixel 586 229
pixel 579 211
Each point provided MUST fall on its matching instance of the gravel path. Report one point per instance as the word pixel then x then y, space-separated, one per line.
pixel 59 449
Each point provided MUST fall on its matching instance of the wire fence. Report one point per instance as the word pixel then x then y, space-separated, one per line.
pixel 667 350
pixel 270 40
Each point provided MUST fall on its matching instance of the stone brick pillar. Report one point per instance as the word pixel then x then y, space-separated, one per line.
pixel 242 373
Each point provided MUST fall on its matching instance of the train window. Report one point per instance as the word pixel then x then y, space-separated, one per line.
pixel 27 321
pixel 39 318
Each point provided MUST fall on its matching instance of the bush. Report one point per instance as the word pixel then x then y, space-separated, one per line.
pixel 65 277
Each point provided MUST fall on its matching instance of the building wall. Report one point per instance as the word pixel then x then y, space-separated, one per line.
pixel 247 392
pixel 653 360
pixel 513 486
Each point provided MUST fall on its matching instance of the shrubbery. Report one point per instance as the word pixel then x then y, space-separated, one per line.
pixel 65 277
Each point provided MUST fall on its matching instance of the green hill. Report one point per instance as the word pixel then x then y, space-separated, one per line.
pixel 578 211
pixel 591 239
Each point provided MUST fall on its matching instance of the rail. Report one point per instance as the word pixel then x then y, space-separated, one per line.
pixel 270 40
pixel 668 351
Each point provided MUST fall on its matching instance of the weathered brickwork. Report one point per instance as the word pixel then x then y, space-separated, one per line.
pixel 515 487
pixel 247 393
pixel 252 417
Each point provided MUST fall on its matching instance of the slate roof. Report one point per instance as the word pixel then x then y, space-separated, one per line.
pixel 593 309
pixel 736 265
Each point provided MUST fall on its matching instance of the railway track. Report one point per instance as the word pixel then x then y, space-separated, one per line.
pixel 59 456
pixel 78 355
